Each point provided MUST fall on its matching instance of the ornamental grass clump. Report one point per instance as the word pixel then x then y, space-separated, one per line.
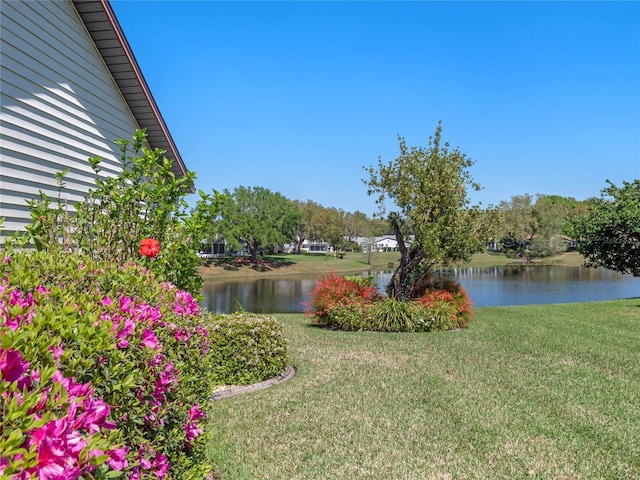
pixel 102 370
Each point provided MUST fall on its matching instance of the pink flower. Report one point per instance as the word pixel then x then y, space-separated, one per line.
pixel 57 351
pixel 185 304
pixel 13 367
pixel 191 431
pixel 150 340
pixel 160 466
pixel 118 458
pixel 182 335
pixel 195 413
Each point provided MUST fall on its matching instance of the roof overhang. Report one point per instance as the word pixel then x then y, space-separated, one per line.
pixel 102 24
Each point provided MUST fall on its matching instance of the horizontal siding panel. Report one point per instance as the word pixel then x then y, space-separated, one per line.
pixel 59 106
pixel 19 153
pixel 66 51
pixel 28 125
pixel 37 129
pixel 43 171
pixel 102 100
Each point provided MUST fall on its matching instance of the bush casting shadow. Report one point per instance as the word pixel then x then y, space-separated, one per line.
pixel 236 263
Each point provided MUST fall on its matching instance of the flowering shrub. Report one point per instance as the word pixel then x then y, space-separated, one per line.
pixel 102 370
pixel 149 247
pixel 349 303
pixel 435 292
pixel 335 291
pixel 145 201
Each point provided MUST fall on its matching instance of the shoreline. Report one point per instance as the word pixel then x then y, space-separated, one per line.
pixel 290 265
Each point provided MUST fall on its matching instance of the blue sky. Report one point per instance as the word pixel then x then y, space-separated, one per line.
pixel 298 97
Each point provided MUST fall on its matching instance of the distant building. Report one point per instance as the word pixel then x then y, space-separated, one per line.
pixel 385 243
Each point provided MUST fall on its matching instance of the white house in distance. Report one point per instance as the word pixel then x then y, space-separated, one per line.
pixel 385 243
pixel 69 87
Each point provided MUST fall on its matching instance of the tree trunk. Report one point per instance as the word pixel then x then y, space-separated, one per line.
pixel 254 252
pixel 398 287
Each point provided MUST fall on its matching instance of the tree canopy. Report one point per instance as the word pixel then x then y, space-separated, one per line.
pixel 428 187
pixel 608 233
pixel 258 218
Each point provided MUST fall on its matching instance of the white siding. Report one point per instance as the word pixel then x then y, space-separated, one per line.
pixel 59 106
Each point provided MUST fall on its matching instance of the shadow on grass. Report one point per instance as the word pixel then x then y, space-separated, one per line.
pixel 260 265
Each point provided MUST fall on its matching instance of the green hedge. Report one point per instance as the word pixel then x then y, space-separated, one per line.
pixel 245 348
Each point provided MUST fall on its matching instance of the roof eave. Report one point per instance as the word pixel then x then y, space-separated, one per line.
pixel 103 26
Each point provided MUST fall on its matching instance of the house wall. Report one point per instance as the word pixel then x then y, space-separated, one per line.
pixel 59 106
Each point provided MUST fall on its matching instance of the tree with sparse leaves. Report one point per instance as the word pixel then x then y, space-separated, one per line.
pixel 608 234
pixel 428 187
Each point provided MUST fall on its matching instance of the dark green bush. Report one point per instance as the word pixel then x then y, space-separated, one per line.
pixel 245 348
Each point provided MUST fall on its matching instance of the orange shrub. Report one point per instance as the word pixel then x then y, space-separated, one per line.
pixel 337 291
pixel 433 291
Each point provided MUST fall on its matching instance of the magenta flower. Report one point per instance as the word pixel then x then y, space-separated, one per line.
pixel 150 340
pixel 182 335
pixel 191 431
pixel 57 351
pixel 106 301
pixel 118 458
pixel 185 304
pixel 195 413
pixel 13 367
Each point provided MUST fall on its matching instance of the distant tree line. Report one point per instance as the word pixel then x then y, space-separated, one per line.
pixel 263 221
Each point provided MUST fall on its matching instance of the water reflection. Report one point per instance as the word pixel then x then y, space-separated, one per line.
pixel 265 295
pixel 511 285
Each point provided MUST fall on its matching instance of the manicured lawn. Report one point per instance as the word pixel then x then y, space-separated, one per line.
pixel 531 392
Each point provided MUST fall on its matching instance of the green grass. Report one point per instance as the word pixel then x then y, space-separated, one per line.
pixel 529 392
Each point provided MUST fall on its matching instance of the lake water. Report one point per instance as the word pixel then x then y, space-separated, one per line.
pixel 518 285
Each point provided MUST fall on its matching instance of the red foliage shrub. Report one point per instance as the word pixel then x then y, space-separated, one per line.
pixel 432 291
pixel 334 290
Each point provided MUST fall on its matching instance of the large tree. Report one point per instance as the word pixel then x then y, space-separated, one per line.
pixel 330 227
pixel 428 187
pixel 258 218
pixel 307 228
pixel 518 224
pixel 608 233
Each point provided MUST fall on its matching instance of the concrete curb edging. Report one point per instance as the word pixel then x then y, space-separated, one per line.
pixel 288 374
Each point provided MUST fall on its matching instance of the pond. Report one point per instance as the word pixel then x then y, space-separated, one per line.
pixel 513 285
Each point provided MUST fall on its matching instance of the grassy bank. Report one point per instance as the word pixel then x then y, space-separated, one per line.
pixel 535 392
pixel 290 265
